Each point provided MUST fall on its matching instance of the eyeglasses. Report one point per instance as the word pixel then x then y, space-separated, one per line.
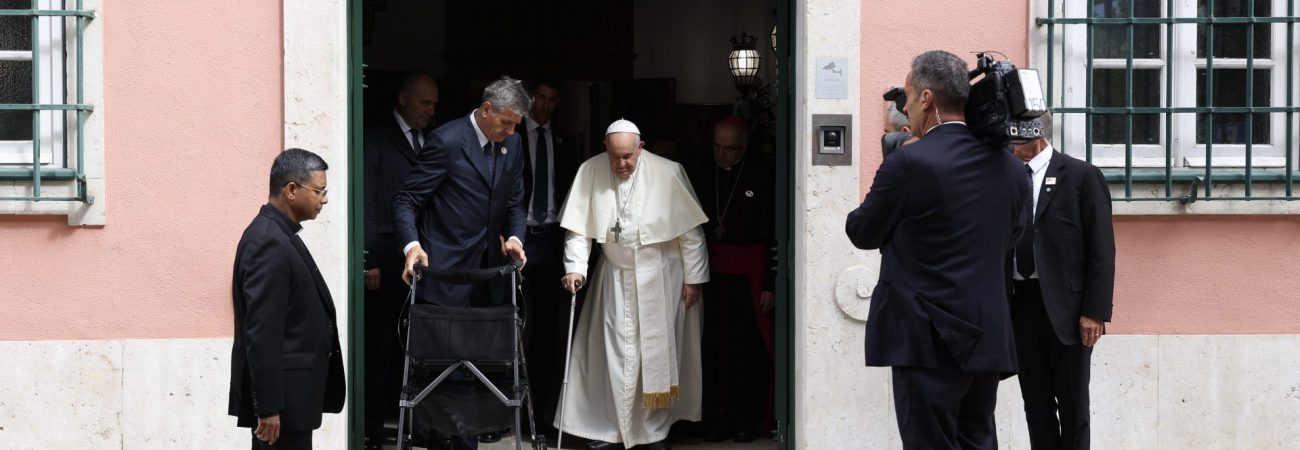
pixel 322 191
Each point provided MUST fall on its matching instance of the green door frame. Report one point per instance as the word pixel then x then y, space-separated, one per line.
pixel 785 156
pixel 356 233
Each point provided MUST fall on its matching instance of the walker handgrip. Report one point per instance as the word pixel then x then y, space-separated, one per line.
pixel 473 276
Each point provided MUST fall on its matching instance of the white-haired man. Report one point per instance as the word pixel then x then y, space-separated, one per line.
pixel 636 357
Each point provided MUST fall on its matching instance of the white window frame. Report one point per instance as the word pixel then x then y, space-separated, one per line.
pixel 50 35
pixel 1184 62
pixel 91 211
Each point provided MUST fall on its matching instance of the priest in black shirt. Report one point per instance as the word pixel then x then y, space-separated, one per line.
pixel 737 194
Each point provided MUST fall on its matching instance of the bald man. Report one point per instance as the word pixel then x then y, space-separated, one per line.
pixel 392 148
pixel 737 195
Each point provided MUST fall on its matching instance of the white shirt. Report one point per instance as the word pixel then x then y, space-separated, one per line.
pixel 417 141
pixel 552 214
pixel 1039 165
pixel 482 140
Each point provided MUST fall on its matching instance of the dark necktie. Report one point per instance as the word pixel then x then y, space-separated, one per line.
pixel 415 140
pixel 491 160
pixel 1025 249
pixel 541 178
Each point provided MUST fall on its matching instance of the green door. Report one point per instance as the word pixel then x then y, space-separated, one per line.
pixel 784 220
pixel 784 223
pixel 356 234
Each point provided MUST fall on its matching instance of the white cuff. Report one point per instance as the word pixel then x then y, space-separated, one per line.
pixel 407 249
pixel 516 239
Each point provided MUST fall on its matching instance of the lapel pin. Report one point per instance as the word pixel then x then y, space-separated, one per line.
pixel 503 150
pixel 749 194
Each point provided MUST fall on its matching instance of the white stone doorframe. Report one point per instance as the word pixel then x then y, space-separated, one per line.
pixel 846 403
pixel 315 34
pixel 837 401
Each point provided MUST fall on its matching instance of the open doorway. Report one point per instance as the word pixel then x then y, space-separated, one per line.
pixel 664 65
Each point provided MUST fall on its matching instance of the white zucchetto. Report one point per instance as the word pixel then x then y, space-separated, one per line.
pixel 622 126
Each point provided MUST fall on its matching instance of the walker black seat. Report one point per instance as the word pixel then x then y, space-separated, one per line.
pixel 448 339
pixel 443 335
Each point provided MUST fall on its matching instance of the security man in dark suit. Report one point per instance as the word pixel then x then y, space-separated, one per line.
pixel 286 368
pixel 551 165
pixel 462 206
pixel 1061 291
pixel 392 147
pixel 945 212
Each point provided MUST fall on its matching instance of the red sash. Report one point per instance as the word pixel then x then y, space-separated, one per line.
pixel 751 261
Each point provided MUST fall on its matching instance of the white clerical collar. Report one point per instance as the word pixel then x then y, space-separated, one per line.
pixel 945 123
pixel 533 125
pixel 1039 161
pixel 482 138
pixel 401 122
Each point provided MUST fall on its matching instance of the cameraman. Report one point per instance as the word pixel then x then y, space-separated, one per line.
pixel 895 120
pixel 946 212
pixel 897 131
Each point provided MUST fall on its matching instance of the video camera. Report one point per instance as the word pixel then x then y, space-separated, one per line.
pixel 1003 108
pixel 1004 105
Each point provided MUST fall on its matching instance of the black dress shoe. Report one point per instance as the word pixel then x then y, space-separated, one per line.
pixel 488 438
pixel 661 445
pixel 714 436
pixel 602 445
pixel 742 437
pixel 431 440
pixel 420 439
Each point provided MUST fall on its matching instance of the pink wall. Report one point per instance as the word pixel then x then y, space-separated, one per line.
pixel 1207 275
pixel 193 116
pixel 895 32
pixel 1175 275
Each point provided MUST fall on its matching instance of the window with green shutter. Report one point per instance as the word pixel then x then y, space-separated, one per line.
pixel 1176 92
pixel 42 100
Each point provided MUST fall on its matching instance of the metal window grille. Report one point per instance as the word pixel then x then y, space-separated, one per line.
pixel 1136 25
pixel 51 110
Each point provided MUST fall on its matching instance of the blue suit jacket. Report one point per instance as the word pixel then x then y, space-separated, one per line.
pixel 456 212
pixel 946 213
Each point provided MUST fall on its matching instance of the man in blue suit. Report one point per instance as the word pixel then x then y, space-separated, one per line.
pixel 946 213
pixel 462 205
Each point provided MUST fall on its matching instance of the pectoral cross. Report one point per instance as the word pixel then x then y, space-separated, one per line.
pixel 617 229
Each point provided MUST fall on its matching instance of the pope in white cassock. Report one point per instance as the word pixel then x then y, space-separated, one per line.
pixel 635 368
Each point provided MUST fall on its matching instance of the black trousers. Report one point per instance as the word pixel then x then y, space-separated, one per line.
pixel 383 353
pixel 736 366
pixel 289 440
pixel 1053 376
pixel 547 320
pixel 945 408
